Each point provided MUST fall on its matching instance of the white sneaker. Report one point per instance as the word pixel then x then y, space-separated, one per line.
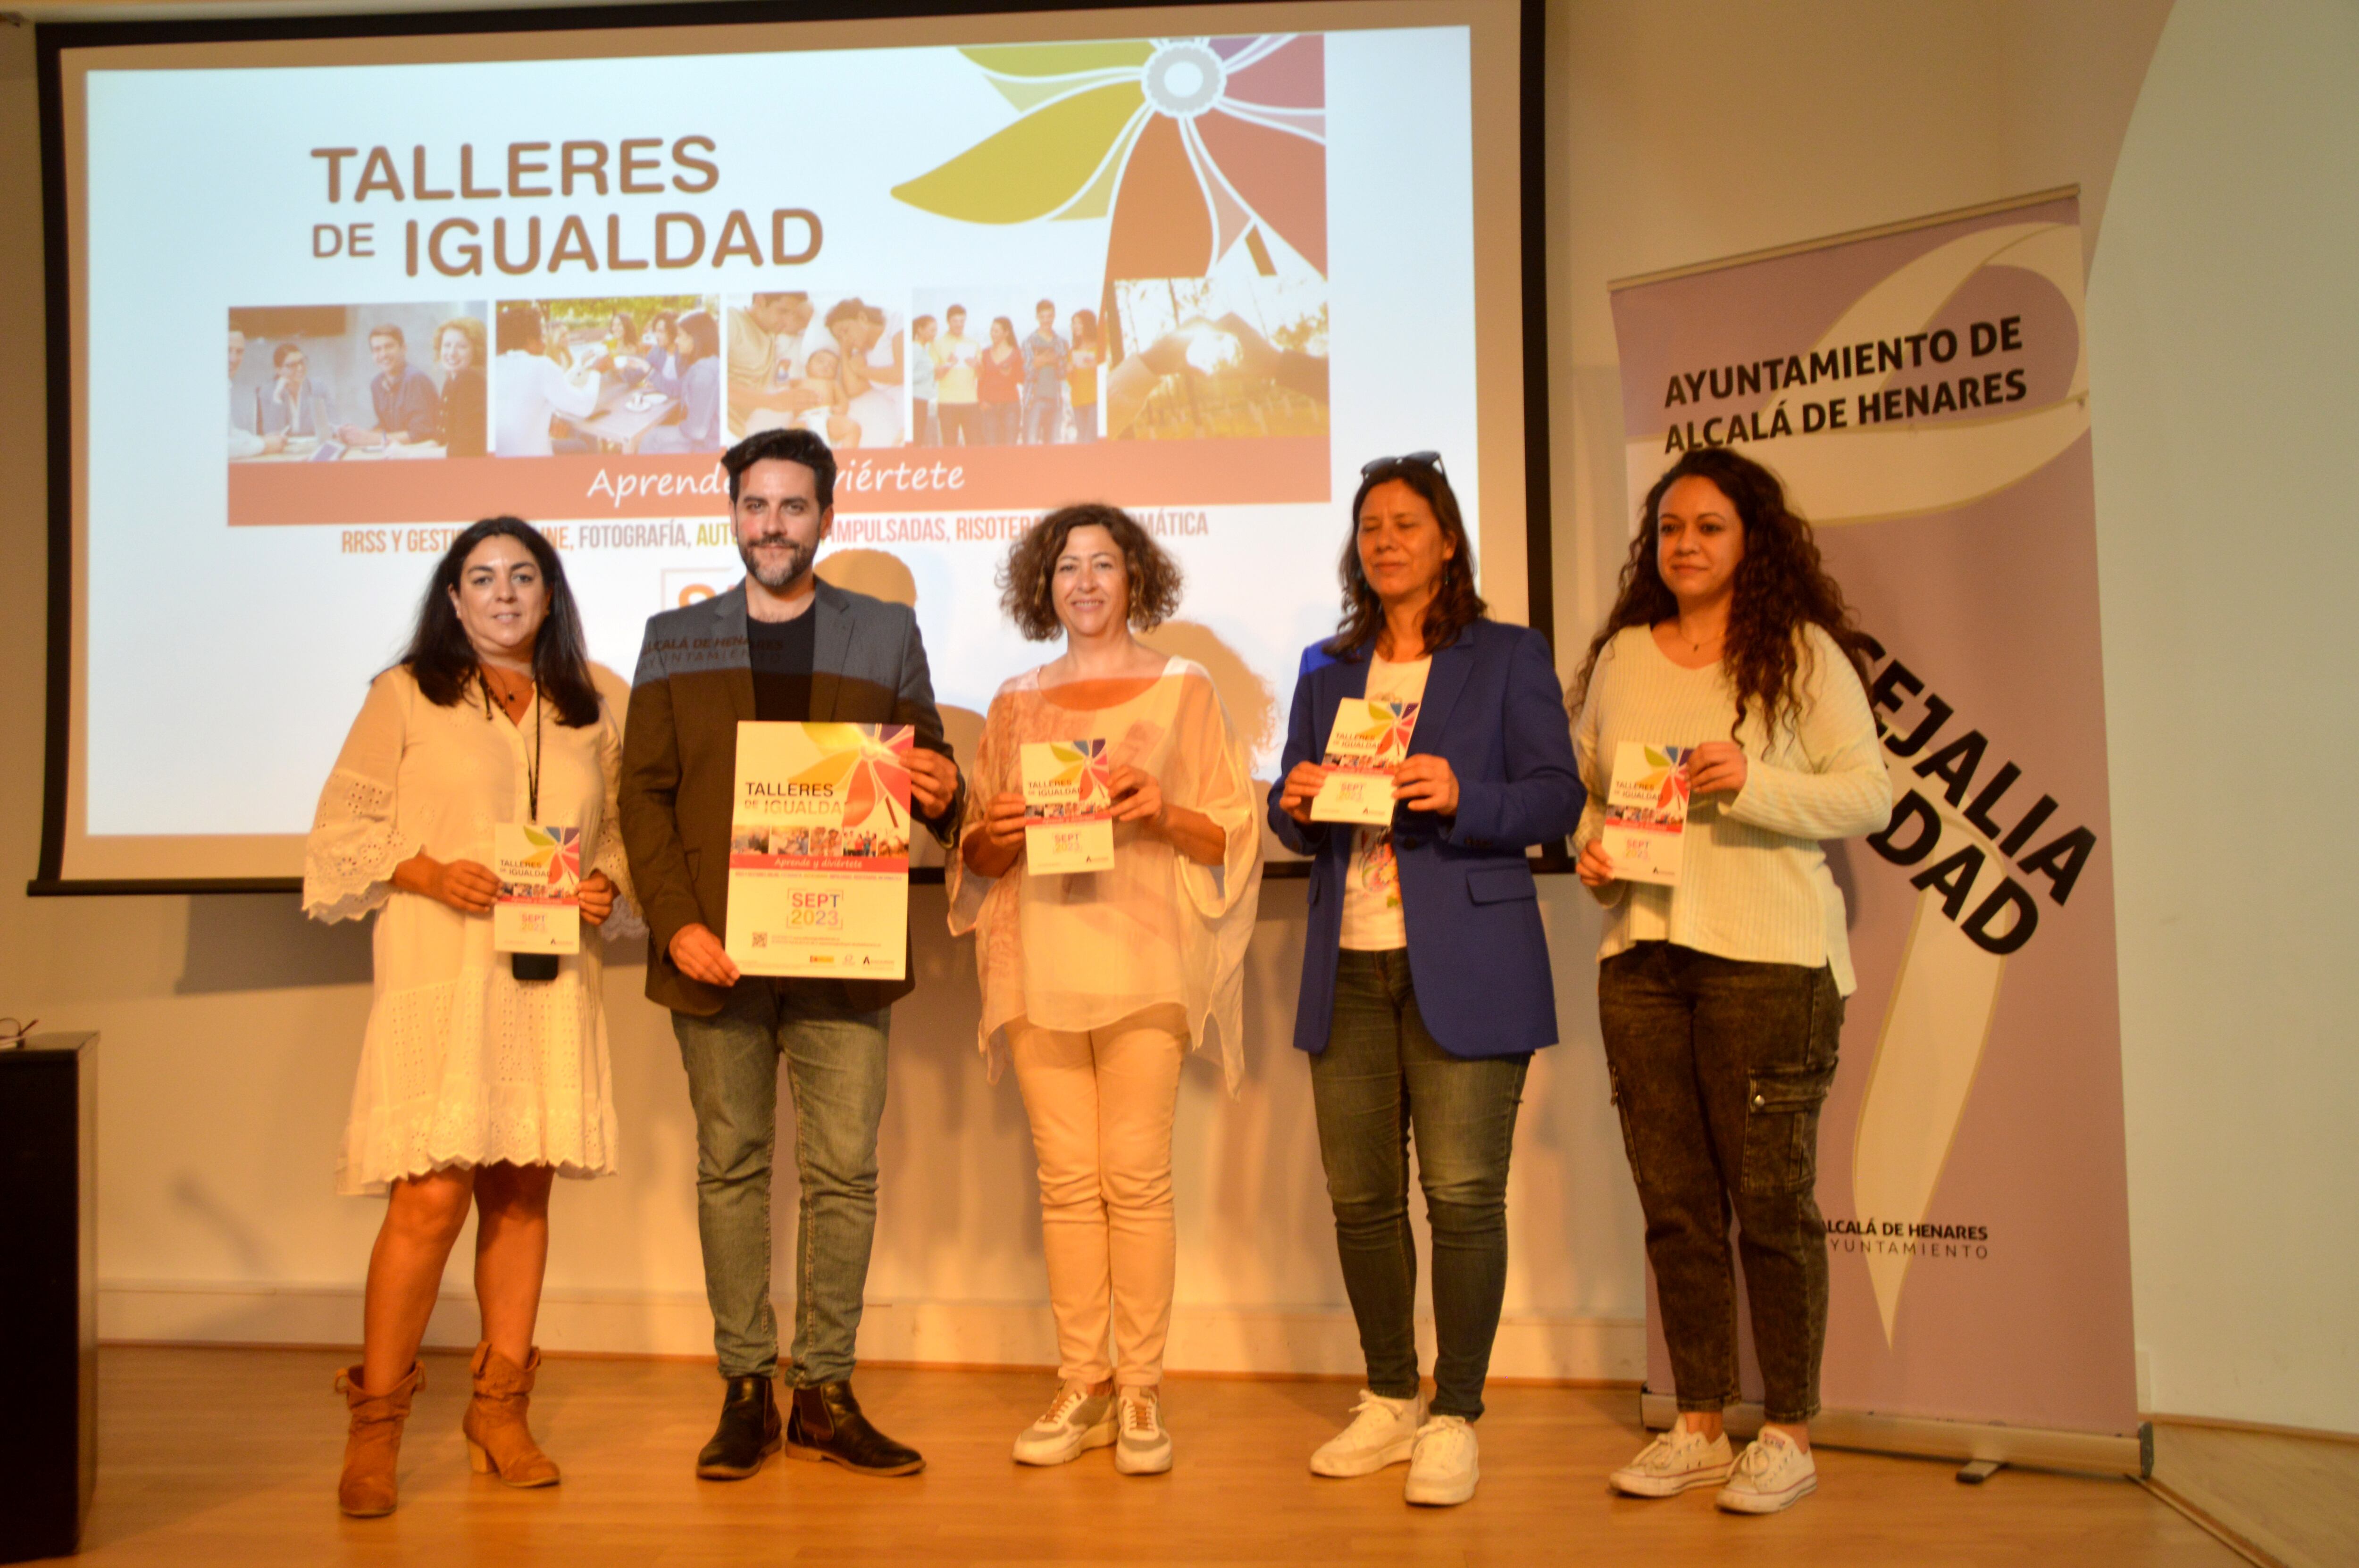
pixel 1382 1433
pixel 1146 1447
pixel 1075 1422
pixel 1771 1474
pixel 1672 1462
pixel 1442 1468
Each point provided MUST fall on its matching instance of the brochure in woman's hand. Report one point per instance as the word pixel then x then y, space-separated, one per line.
pixel 539 905
pixel 1068 807
pixel 1646 812
pixel 1369 739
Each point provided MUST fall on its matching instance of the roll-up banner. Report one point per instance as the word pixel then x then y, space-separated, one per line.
pixel 1924 391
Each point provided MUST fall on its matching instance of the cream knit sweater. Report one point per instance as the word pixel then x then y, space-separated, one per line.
pixel 1753 883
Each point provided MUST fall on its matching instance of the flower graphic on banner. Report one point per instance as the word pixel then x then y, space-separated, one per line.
pixel 1667 774
pixel 1087 768
pixel 1390 726
pixel 869 763
pixel 1189 145
pixel 557 851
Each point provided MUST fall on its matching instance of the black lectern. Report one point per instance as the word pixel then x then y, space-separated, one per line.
pixel 49 1295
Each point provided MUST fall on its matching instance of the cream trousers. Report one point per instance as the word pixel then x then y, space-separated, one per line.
pixel 1101 1104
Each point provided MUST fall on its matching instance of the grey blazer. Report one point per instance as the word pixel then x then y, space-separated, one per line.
pixel 694 682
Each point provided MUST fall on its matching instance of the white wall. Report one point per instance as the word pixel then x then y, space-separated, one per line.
pixel 2223 336
pixel 1678 132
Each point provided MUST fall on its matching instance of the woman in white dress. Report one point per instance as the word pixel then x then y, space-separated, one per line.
pixel 1098 983
pixel 475 1087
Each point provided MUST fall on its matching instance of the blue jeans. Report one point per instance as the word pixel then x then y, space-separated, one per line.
pixel 1044 418
pixel 835 1069
pixel 1381 1077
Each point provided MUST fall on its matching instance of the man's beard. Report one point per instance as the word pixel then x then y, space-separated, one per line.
pixel 796 562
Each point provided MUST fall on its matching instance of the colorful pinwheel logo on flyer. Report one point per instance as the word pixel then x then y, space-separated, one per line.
pixel 537 863
pixel 833 795
pixel 1370 736
pixel 1068 781
pixel 1650 785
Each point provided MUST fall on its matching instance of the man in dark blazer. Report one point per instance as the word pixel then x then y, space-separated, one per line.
pixel 781 645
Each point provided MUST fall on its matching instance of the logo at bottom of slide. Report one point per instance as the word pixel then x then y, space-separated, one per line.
pixel 685 586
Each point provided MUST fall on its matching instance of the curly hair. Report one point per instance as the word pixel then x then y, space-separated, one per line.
pixel 1781 586
pixel 1455 606
pixel 1027 577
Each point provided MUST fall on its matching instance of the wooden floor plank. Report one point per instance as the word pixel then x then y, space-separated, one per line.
pixel 2295 1497
pixel 222 1456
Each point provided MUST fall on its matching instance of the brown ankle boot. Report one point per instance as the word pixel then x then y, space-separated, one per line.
pixel 373 1447
pixel 499 1442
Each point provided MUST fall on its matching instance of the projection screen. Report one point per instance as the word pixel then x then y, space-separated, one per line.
pixel 459 266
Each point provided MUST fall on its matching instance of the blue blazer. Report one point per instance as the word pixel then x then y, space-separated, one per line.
pixel 1477 954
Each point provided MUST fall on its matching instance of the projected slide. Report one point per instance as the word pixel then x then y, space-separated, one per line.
pixel 1176 274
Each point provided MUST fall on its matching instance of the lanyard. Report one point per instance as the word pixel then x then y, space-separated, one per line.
pixel 532 758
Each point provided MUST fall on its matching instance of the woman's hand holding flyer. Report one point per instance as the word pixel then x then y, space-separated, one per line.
pixel 1068 807
pixel 1646 812
pixel 1369 739
pixel 540 904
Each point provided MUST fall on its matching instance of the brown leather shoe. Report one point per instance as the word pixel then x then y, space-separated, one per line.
pixel 826 1423
pixel 499 1442
pixel 372 1445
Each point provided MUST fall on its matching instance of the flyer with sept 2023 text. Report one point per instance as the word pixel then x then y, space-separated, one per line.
pixel 818 850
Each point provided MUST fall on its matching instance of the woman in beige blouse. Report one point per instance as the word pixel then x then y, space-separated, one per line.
pixel 476 1088
pixel 1098 983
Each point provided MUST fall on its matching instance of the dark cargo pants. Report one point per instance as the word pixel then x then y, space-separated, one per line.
pixel 1719 1067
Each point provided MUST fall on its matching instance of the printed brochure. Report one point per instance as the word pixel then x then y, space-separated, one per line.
pixel 1068 807
pixel 1369 739
pixel 818 850
pixel 1646 812
pixel 538 909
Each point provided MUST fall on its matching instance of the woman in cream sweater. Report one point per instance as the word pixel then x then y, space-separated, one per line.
pixel 1721 994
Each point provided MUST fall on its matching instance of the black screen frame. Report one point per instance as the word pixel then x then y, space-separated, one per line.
pixel 52 40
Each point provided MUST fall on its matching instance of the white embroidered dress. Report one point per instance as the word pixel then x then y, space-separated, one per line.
pixel 463 1064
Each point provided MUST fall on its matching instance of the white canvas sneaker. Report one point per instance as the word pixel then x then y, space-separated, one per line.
pixel 1442 1468
pixel 1770 1474
pixel 1382 1431
pixel 1075 1422
pixel 1146 1447
pixel 1672 1462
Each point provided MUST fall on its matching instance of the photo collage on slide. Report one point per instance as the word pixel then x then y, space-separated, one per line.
pixel 1238 353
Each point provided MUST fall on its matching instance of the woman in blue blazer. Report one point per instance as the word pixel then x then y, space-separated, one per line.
pixel 1425 972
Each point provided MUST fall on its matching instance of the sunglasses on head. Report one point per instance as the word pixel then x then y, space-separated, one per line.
pixel 1425 459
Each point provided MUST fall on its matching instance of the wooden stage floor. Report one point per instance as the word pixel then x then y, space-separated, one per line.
pixel 229 1457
